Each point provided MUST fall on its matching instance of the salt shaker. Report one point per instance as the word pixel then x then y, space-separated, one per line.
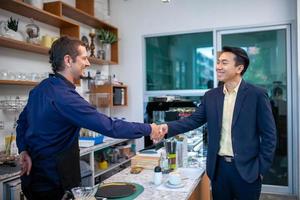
pixel 157 175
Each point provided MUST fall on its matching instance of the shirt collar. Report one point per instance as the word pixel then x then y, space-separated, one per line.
pixel 235 90
pixel 71 85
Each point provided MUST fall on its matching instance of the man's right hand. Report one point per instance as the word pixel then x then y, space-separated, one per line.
pixel 25 162
pixel 158 132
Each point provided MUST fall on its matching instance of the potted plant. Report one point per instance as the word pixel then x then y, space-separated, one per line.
pixel 106 38
pixel 12 25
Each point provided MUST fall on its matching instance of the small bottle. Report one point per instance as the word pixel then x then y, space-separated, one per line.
pixel 164 163
pixel 184 151
pixel 13 148
pixel 98 78
pixel 157 179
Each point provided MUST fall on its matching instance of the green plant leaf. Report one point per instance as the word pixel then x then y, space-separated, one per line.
pixel 106 36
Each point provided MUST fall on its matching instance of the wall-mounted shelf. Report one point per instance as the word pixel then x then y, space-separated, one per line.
pixel 101 62
pixel 22 83
pixel 54 16
pixel 62 9
pixel 117 94
pixel 24 46
pixel 66 27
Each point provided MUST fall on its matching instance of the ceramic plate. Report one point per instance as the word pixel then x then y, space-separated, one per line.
pixel 169 185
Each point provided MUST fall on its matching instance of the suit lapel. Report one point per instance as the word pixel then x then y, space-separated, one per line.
pixel 220 103
pixel 239 101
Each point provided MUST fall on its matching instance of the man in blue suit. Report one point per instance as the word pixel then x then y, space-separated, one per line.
pixel 241 130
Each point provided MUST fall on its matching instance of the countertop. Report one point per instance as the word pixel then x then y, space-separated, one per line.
pixel 7 172
pixel 190 177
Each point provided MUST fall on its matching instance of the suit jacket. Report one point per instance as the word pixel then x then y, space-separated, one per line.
pixel 253 130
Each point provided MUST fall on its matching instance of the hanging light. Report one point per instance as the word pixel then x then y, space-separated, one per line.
pixel 166 1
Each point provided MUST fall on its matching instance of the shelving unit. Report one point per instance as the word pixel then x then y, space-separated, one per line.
pixel 101 62
pixel 62 9
pixel 89 151
pixel 61 15
pixel 26 10
pixel 53 15
pixel 24 46
pixel 111 167
pixel 107 143
pixel 111 90
pixel 21 83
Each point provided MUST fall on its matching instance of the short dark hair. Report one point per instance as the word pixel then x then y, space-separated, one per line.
pixel 63 46
pixel 241 56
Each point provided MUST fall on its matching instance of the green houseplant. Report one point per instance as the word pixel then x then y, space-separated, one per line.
pixel 13 24
pixel 12 30
pixel 106 38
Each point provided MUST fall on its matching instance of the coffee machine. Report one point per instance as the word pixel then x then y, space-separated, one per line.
pixel 159 111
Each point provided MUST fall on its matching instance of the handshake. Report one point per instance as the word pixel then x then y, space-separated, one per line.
pixel 158 132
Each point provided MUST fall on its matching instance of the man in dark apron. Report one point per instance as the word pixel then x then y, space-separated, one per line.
pixel 48 127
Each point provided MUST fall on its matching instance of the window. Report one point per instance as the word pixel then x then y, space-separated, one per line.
pixel 179 62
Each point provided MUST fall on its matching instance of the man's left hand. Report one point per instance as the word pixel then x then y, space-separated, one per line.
pixel 25 162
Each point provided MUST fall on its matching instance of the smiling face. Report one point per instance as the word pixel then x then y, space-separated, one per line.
pixel 227 70
pixel 81 62
pixel 75 67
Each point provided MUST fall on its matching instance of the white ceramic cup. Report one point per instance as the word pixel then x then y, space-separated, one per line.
pixel 174 179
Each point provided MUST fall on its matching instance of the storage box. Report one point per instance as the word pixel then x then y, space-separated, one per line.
pixel 147 162
pixel 100 99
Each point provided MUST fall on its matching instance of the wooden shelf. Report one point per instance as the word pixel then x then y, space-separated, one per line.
pixel 62 9
pixel 101 62
pixel 19 45
pixel 24 46
pixel 12 82
pixel 77 14
pixel 26 10
pixel 110 89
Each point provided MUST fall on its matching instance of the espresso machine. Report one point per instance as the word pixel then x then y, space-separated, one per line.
pixel 159 111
